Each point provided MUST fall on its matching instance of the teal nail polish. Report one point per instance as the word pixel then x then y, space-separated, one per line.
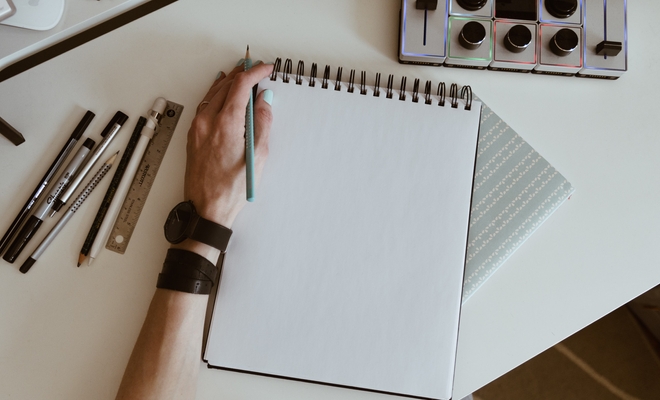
pixel 258 62
pixel 218 76
pixel 268 96
pixel 240 62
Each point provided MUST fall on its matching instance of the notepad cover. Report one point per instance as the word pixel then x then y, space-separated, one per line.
pixel 515 191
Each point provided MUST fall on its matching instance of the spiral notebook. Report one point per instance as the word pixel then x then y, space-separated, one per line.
pixel 348 268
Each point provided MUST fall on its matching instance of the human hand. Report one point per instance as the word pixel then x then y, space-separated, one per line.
pixel 215 167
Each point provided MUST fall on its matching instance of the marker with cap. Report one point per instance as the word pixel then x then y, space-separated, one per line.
pixel 52 170
pixel 34 222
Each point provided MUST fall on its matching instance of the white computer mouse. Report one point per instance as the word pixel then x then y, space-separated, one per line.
pixel 40 15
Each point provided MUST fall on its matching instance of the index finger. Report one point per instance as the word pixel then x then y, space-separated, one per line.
pixel 241 87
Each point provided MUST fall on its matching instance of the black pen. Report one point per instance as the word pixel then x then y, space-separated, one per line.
pixel 112 189
pixel 109 133
pixel 34 222
pixel 59 160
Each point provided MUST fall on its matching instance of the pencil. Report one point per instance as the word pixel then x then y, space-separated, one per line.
pixel 249 136
pixel 67 216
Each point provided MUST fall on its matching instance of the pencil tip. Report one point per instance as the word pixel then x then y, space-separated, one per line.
pixel 247 52
pixel 112 159
pixel 81 259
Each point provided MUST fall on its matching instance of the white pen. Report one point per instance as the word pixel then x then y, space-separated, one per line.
pixel 108 134
pixel 66 217
pixel 146 134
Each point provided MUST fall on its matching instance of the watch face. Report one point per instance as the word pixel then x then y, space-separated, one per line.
pixel 177 222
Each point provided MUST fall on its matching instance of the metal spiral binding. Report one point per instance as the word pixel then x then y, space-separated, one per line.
pixel 377 85
pixel 351 81
pixel 465 92
pixel 427 92
pixel 312 75
pixel 326 76
pixel 338 81
pixel 441 94
pixel 300 72
pixel 453 95
pixel 363 82
pixel 90 186
pixel 415 93
pixel 288 68
pixel 276 69
pixel 390 83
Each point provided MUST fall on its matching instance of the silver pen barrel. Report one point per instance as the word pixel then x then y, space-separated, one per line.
pixel 66 217
pixel 108 134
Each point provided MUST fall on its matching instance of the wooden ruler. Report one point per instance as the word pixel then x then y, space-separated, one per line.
pixel 144 178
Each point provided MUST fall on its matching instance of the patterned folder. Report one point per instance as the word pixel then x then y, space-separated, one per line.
pixel 515 190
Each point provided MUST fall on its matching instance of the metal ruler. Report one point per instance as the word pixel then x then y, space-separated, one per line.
pixel 144 178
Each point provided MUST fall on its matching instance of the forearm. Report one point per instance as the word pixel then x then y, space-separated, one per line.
pixel 166 357
pixel 165 360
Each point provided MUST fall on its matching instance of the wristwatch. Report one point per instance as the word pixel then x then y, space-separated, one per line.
pixel 184 223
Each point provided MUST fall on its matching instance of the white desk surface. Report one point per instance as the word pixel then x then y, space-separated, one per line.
pixel 67 332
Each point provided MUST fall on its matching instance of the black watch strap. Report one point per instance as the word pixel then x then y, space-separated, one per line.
pixel 215 235
pixel 188 272
pixel 173 282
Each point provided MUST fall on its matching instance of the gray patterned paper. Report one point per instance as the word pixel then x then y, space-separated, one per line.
pixel 515 190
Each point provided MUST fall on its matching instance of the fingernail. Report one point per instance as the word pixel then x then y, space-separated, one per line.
pixel 240 62
pixel 268 96
pixel 258 62
pixel 218 76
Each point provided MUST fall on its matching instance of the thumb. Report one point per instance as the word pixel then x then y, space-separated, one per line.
pixel 263 118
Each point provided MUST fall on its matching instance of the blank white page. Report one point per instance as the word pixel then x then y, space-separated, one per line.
pixel 348 267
